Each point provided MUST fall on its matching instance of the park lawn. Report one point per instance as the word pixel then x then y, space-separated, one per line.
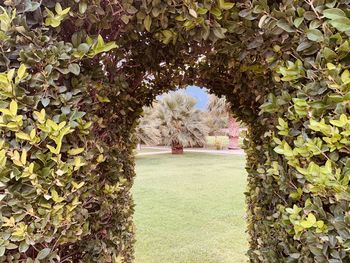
pixel 190 208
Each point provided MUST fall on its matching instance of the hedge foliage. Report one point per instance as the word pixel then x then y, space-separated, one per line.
pixel 74 76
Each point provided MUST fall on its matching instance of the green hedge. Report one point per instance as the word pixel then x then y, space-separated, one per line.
pixel 74 76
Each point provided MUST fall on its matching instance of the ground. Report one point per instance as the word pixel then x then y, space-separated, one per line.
pixel 190 208
pixel 147 149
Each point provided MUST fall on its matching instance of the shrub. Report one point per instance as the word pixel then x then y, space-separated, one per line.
pixel 179 122
pixel 76 74
pixel 56 200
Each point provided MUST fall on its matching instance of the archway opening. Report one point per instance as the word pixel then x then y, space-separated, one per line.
pixel 189 207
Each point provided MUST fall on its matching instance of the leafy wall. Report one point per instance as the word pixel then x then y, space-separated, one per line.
pixel 75 75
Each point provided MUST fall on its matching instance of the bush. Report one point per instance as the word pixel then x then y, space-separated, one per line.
pixel 75 76
pixel 57 193
pixel 179 122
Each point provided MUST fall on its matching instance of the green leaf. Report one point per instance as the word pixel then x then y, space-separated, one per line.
pixel 295 255
pixel 45 102
pixel 297 194
pixel 216 12
pixel 125 19
pixel 100 46
pixel 84 48
pixel 13 108
pixel 342 24
pixel 78 186
pixel 23 136
pixel 279 150
pixel 320 224
pixel 10 74
pixel 334 13
pixel 147 23
pixel 43 253
pixel 74 68
pixel 225 5
pixel 193 12
pixel 53 149
pixel 304 45
pixel 21 71
pixel 218 32
pixel 59 11
pixel 331 66
pixel 55 197
pixel 314 35
pixel 24 157
pixel 82 7
pixel 329 54
pixel 202 11
pixel 40 115
pixel 102 99
pixel 262 21
pixel 58 8
pixel 285 26
pixel 100 41
pixel 23 247
pixel 345 47
pixel 309 222
pixel 345 77
pixel 297 22
pixel 75 151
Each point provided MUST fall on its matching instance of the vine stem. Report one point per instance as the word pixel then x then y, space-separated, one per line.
pixel 311 3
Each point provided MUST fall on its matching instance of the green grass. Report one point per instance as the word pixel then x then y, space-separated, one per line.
pixel 190 209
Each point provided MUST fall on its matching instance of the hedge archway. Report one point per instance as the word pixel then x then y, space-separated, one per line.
pixel 75 75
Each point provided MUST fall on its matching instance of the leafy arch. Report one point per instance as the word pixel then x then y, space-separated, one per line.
pixel 75 75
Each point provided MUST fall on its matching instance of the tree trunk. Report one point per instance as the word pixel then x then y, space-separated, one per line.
pixel 177 148
pixel 233 133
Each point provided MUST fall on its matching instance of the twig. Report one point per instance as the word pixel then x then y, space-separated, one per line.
pixel 311 3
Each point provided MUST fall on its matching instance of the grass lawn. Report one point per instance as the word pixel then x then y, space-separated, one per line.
pixel 190 209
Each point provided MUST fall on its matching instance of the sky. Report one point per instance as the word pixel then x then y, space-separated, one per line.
pixel 200 95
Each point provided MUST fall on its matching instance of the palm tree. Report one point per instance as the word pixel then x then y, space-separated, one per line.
pixel 219 110
pixel 147 130
pixel 180 124
pixel 217 114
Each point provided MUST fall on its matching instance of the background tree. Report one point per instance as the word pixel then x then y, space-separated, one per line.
pixel 147 130
pixel 219 115
pixel 180 123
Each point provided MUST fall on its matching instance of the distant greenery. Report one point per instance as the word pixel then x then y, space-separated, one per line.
pixel 147 131
pixel 173 121
pixel 213 142
pixel 217 142
pixel 218 114
pixel 190 209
